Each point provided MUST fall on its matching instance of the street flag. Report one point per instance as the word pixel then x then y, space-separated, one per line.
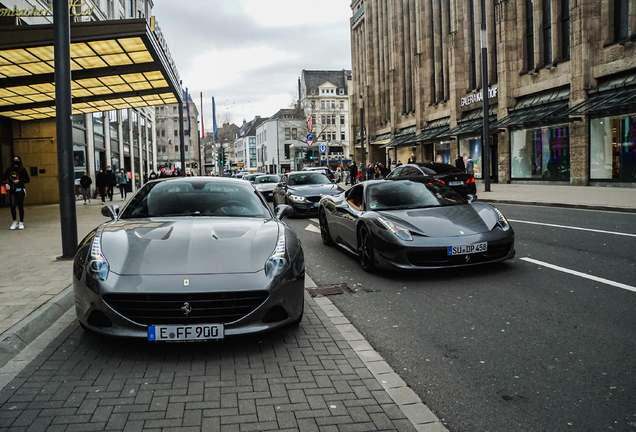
pixel 187 98
pixel 202 126
pixel 214 118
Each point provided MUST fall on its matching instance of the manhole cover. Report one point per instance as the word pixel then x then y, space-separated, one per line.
pixel 329 290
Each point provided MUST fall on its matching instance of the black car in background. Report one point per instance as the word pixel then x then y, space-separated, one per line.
pixel 463 183
pixel 302 190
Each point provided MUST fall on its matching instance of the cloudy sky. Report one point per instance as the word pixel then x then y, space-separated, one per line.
pixel 248 54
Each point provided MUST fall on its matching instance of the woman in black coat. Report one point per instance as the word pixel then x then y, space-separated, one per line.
pixel 14 178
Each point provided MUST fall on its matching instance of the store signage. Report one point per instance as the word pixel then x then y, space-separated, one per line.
pixel 479 97
pixel 35 12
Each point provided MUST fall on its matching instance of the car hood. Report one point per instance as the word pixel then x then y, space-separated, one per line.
pixel 448 221
pixel 311 190
pixel 266 187
pixel 188 245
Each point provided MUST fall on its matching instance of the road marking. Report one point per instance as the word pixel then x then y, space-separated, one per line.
pixel 314 220
pixel 574 228
pixel 312 228
pixel 583 275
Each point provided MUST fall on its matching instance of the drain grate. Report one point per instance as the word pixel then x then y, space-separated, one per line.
pixel 329 290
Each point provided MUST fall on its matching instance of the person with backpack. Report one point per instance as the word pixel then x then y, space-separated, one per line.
pixel 14 179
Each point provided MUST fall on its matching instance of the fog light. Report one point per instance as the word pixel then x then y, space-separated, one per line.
pixel 275 314
pixel 97 318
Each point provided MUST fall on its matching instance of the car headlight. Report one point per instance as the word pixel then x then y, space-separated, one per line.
pixel 502 222
pixel 297 198
pixel 259 188
pixel 97 265
pixel 277 263
pixel 401 233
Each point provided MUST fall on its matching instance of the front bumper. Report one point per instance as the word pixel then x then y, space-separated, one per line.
pixel 304 208
pixel 282 300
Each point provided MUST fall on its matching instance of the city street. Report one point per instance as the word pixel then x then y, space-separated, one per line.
pixel 513 346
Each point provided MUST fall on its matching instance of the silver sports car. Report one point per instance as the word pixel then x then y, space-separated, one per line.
pixel 188 259
pixel 414 224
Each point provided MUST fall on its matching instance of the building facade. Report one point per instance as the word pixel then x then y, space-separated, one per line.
pixel 121 138
pixel 245 154
pixel 279 146
pixel 168 140
pixel 561 86
pixel 325 98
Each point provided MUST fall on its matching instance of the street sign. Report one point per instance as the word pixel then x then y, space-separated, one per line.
pixel 310 137
pixel 323 148
pixel 310 142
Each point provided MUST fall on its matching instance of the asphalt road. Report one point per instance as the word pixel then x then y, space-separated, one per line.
pixel 516 346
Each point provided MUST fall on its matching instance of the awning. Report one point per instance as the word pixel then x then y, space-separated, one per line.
pixel 114 65
pixel 616 102
pixel 399 139
pixel 535 116
pixel 473 122
pixel 435 129
pixel 382 139
pixel 539 109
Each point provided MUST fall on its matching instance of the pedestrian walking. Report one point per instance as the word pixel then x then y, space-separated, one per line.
pixel 353 173
pixel 111 181
pixel 85 184
pixel 101 181
pixel 14 179
pixel 470 165
pixel 122 182
pixel 412 159
pixel 399 163
pixel 459 163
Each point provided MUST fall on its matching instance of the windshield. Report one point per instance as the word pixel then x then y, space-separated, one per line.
pixel 308 178
pixel 267 179
pixel 196 198
pixel 407 194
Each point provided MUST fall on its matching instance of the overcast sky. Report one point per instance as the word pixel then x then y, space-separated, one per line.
pixel 248 54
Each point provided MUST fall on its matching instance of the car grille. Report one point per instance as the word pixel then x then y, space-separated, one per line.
pixel 206 308
pixel 439 256
pixel 313 199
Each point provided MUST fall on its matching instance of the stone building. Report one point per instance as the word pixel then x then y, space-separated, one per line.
pixel 561 85
pixel 167 126
pixel 325 98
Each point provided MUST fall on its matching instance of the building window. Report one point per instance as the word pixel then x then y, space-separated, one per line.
pixel 342 120
pixel 287 133
pixel 529 35
pixel 541 153
pixel 472 60
pixel 621 20
pixel 294 132
pixel 342 136
pixel 565 29
pixel 547 32
pixel 174 110
pixel 130 9
pixel 613 148
pixel 287 150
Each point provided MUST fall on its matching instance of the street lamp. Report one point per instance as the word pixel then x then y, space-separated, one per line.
pixel 363 163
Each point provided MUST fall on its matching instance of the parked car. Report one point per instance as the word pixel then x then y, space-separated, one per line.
pixel 190 259
pixel 326 170
pixel 461 182
pixel 414 224
pixel 250 177
pixel 266 184
pixel 302 190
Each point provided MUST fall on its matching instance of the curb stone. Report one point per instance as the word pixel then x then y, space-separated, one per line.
pixel 28 329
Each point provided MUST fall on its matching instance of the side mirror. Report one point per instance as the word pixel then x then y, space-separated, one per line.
pixel 471 197
pixel 281 185
pixel 110 211
pixel 283 210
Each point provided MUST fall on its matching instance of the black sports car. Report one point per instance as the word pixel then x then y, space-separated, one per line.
pixel 187 259
pixel 302 190
pixel 414 224
pixel 463 183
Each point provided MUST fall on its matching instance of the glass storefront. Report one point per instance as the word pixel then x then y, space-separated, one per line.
pixel 472 147
pixel 613 148
pixel 442 152
pixel 541 153
pixel 114 161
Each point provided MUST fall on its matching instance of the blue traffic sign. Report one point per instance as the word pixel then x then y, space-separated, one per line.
pixel 322 148
pixel 310 137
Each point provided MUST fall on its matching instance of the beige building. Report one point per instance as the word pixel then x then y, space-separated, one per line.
pixel 168 141
pixel 561 76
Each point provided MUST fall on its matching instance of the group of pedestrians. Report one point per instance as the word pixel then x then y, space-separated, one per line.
pixel 465 163
pixel 105 183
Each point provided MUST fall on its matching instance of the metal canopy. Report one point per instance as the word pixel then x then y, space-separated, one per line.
pixel 434 129
pixel 621 101
pixel 542 115
pixel 115 65
pixel 473 122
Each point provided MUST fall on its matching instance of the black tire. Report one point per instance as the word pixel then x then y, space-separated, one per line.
pixel 324 229
pixel 365 250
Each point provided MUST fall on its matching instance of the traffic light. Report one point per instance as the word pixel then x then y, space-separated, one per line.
pixel 222 153
pixel 195 165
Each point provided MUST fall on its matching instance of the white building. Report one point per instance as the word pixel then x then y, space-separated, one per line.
pixel 279 141
pixel 325 97
pixel 245 156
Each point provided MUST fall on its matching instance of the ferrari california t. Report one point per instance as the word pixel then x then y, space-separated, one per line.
pixel 414 224
pixel 189 259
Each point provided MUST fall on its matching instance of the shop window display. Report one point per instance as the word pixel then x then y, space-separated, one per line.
pixel 541 153
pixel 472 147
pixel 442 152
pixel 613 148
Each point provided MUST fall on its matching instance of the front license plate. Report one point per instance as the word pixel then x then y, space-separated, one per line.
pixel 455 183
pixel 178 333
pixel 468 249
pixel 314 204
